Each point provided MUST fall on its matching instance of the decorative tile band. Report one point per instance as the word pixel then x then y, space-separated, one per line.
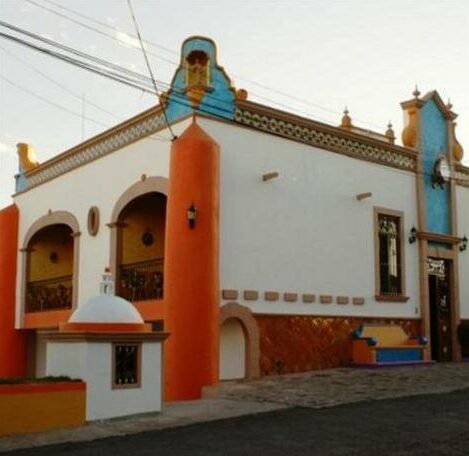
pixel 290 297
pixel 84 154
pixel 358 301
pixel 462 175
pixel 250 295
pixel 325 299
pixel 229 294
pixel 333 139
pixel 271 296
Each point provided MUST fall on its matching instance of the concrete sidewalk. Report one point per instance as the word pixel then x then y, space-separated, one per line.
pixel 174 415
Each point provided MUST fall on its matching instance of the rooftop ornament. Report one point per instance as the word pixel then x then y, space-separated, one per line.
pixel 390 133
pixel 346 120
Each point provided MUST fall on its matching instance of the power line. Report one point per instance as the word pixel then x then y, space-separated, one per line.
pixel 149 69
pixel 256 95
pixel 108 26
pixel 58 84
pixel 45 100
pixel 89 27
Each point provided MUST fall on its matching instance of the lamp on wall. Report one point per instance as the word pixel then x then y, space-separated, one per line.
pixel 463 243
pixel 191 216
pixel 413 235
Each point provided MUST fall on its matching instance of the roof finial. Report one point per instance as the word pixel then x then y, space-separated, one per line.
pixel 449 105
pixel 390 133
pixel 416 92
pixel 107 284
pixel 346 120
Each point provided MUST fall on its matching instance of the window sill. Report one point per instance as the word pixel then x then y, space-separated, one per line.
pixel 387 298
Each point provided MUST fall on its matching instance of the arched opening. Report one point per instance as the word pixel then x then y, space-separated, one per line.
pixel 50 269
pixel 140 248
pixel 233 348
pixel 239 340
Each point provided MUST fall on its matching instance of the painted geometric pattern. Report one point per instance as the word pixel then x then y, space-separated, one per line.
pixel 300 343
pixel 462 175
pixel 84 155
pixel 327 141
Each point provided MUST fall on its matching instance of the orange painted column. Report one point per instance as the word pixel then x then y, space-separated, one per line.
pixel 191 267
pixel 12 341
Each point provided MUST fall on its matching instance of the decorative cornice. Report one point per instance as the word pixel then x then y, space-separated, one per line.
pixel 462 175
pixel 145 124
pixel 437 237
pixel 324 136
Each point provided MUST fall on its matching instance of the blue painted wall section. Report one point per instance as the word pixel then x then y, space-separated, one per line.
pixel 220 102
pixel 21 181
pixel 434 142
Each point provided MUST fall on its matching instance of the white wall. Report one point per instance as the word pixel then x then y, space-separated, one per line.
pixel 99 183
pixel 232 350
pixel 462 200
pixel 305 232
pixel 92 362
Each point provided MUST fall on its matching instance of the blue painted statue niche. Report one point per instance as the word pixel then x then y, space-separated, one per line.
pixel 434 143
pixel 200 84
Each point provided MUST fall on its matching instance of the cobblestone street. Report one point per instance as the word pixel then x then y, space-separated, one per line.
pixel 327 388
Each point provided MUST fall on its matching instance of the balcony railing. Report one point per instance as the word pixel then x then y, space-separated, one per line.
pixel 141 281
pixel 50 294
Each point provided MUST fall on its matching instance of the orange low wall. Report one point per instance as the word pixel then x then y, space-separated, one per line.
pixel 41 406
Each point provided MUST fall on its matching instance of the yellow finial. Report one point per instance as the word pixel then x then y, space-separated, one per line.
pixel 346 120
pixel 458 151
pixel 390 133
pixel 28 160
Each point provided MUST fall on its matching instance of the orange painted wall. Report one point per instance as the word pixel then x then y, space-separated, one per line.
pixel 37 407
pixel 12 341
pixel 191 267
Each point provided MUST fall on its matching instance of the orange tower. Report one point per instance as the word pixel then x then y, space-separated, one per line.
pixel 12 341
pixel 191 266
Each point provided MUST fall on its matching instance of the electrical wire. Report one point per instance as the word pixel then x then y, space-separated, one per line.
pixel 250 81
pixel 129 3
pixel 58 84
pixel 107 35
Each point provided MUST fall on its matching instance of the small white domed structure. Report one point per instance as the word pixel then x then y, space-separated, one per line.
pixel 106 309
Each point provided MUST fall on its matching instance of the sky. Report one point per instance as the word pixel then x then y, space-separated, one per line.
pixel 310 57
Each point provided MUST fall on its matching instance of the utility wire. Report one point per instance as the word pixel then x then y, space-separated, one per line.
pixel 250 81
pixel 45 100
pixel 58 84
pixel 108 26
pixel 149 69
pixel 89 27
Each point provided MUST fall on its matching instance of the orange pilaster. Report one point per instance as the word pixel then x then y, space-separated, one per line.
pixel 191 267
pixel 12 341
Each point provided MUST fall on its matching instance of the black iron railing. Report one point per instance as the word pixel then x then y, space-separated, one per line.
pixel 141 281
pixel 50 294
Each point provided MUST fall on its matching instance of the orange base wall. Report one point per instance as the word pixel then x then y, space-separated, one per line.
pixel 38 407
pixel 12 341
pixel 301 343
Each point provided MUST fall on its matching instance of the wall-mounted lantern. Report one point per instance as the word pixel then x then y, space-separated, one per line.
pixel 191 216
pixel 463 243
pixel 413 235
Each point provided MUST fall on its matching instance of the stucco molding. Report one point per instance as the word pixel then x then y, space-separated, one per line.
pixel 244 315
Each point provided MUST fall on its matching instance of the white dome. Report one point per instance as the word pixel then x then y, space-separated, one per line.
pixel 106 308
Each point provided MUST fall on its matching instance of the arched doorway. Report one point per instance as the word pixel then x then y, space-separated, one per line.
pixel 239 349
pixel 232 350
pixel 50 269
pixel 140 248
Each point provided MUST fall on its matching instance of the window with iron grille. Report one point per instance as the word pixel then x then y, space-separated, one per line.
pixel 126 365
pixel 390 264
